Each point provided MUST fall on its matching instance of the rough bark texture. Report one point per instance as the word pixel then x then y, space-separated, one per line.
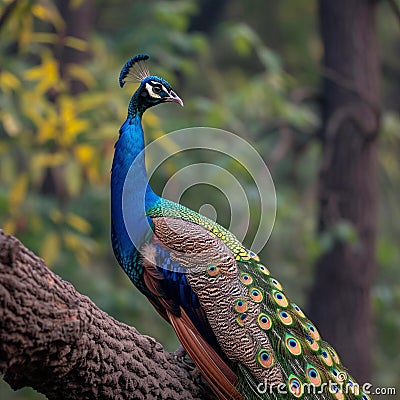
pixel 341 297
pixel 57 341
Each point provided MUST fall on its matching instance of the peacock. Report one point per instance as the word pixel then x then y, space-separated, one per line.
pixel 233 318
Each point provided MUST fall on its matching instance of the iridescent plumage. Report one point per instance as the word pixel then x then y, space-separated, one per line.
pixel 233 318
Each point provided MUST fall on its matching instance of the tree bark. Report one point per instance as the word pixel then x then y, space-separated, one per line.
pixel 340 301
pixel 57 341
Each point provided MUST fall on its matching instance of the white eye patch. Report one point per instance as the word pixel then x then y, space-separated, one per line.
pixel 151 91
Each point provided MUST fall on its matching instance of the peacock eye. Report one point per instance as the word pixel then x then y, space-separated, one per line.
pixel 156 89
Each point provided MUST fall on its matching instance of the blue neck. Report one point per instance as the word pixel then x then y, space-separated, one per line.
pixel 131 194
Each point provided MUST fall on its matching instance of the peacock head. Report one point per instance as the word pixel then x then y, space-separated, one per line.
pixel 152 90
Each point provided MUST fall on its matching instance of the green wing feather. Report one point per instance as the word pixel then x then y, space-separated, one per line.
pixel 278 351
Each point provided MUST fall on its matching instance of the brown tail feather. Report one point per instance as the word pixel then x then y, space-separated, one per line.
pixel 213 369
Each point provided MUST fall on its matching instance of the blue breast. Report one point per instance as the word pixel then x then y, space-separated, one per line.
pixel 131 197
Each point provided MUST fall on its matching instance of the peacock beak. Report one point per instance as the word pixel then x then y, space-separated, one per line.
pixel 174 98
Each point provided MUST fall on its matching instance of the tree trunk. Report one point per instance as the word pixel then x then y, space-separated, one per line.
pixel 340 301
pixel 58 342
pixel 79 22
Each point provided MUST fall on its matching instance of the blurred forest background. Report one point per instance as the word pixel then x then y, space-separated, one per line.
pixel 253 68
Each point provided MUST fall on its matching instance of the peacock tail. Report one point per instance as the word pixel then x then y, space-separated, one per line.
pixel 232 316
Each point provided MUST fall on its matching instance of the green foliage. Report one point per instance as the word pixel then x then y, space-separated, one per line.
pixel 253 73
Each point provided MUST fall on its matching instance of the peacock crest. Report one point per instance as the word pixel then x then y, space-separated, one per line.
pixel 134 70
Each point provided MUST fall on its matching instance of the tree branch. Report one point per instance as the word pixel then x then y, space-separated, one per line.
pixel 57 341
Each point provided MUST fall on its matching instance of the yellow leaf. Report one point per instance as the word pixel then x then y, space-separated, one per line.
pixel 40 11
pixel 74 127
pixel 9 226
pixel 71 125
pixel 18 192
pixel 50 248
pixel 42 113
pixel 9 81
pixel 48 13
pixel 41 37
pixel 76 43
pixel 84 153
pixel 72 241
pixel 82 74
pixel 46 74
pixel 76 3
pixel 78 223
pixel 47 130
pixel 10 123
